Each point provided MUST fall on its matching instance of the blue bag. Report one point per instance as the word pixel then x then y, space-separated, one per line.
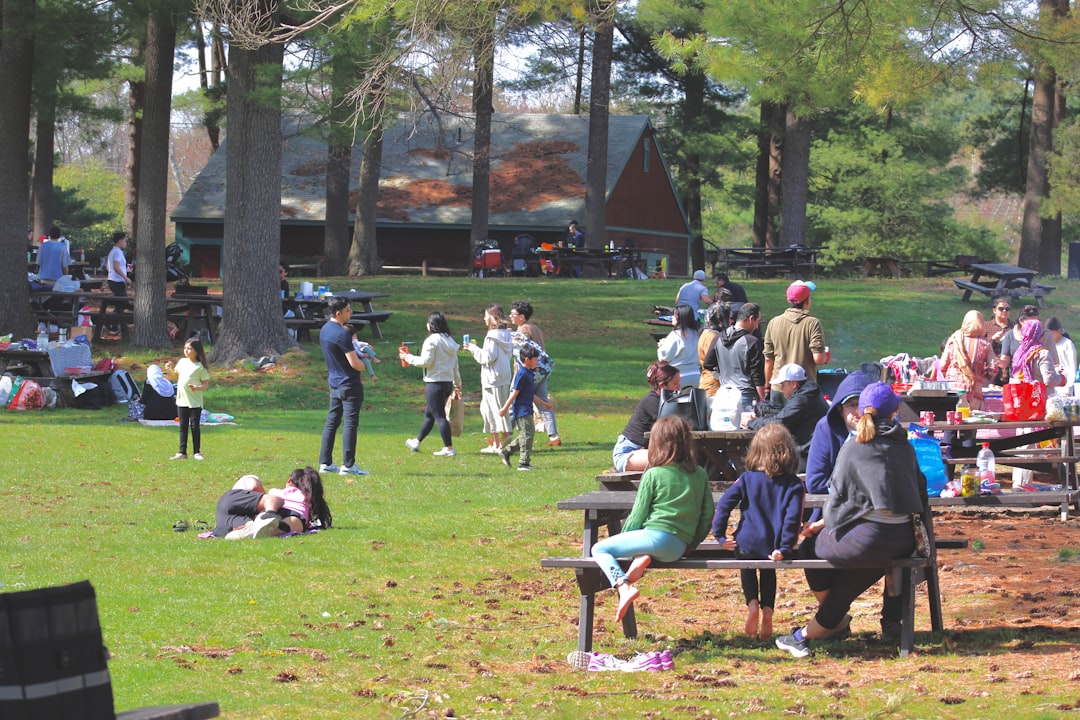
pixel 928 454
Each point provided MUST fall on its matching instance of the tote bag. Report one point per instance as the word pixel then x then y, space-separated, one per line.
pixel 689 403
pixel 1024 401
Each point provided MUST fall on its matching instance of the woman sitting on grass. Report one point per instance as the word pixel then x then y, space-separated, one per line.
pixel 672 511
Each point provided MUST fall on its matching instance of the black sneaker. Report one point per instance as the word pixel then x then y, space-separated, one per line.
pixel 526 467
pixel 890 631
pixel 793 646
pixel 505 455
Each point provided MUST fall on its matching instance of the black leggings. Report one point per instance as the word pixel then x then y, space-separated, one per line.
pixel 767 596
pixel 436 394
pixel 189 417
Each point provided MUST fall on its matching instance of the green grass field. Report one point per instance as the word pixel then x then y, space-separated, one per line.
pixel 426 599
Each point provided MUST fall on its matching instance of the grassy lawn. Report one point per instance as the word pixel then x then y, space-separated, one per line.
pixel 426 599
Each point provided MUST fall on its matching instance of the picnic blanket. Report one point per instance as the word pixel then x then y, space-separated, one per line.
pixel 207 419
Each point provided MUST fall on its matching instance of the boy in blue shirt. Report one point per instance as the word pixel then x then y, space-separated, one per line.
pixel 521 400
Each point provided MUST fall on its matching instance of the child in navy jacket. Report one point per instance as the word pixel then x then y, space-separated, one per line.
pixel 770 500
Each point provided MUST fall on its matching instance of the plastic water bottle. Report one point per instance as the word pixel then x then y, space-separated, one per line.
pixel 986 463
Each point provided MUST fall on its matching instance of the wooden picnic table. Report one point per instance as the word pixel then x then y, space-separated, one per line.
pixel 308 312
pixel 565 259
pixel 1009 441
pixel 609 508
pixel 1001 279
pixel 722 453
pixel 763 262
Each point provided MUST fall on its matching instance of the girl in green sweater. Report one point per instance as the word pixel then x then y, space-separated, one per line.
pixel 672 511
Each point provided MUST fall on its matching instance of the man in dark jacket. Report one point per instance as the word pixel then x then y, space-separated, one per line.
pixel 802 409
pixel 738 358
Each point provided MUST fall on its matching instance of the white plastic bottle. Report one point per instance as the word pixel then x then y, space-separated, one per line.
pixel 986 463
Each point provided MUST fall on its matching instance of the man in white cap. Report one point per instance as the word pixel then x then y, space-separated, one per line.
pixel 803 407
pixel 795 336
pixel 694 292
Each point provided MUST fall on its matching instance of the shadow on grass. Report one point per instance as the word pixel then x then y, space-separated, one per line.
pixel 987 641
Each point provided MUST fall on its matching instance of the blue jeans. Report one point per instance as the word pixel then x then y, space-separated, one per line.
pixel 548 416
pixel 657 544
pixel 344 412
pixel 621 452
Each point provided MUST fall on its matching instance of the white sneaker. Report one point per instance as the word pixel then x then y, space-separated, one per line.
pixel 198 456
pixel 265 525
pixel 491 450
pixel 445 452
pixel 331 468
pixel 351 470
pixel 413 444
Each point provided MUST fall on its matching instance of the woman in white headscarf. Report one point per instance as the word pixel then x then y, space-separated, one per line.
pixel 968 360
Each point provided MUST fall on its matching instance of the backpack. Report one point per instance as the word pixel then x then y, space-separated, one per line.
pixel 123 386
pixel 544 364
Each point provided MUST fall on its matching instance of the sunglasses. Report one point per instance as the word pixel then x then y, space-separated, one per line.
pixel 1002 309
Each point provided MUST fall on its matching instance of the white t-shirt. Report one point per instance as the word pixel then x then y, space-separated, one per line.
pixel 116 256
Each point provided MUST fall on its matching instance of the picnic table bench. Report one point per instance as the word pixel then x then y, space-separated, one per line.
pixel 766 262
pixel 1004 280
pixel 609 508
pixel 37 365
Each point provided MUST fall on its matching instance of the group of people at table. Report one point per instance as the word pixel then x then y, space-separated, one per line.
pixel 855 451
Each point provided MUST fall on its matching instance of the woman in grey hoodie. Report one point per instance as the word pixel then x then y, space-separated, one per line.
pixel 438 357
pixel 496 372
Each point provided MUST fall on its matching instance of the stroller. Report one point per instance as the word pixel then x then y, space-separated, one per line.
pixel 173 273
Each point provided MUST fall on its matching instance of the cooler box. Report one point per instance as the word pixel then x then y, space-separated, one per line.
pixel 488 260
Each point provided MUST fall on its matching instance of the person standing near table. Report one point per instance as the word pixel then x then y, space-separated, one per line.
pixel 117 279
pixel 738 292
pixel 694 292
pixel 520 314
pixel 796 337
pixel 283 277
pixel 343 368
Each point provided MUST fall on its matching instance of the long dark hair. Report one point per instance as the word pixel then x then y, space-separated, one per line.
pixel 686 318
pixel 308 481
pixel 437 324
pixel 200 354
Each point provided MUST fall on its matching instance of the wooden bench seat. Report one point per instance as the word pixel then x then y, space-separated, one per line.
pixel 591 579
pixel 1039 291
pixel 612 480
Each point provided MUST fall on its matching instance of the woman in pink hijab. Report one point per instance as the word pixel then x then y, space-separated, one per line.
pixel 1031 361
pixel 968 360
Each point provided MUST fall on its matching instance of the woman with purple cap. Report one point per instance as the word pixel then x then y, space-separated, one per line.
pixel 875 489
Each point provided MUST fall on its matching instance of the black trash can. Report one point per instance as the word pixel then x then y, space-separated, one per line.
pixel 1074 260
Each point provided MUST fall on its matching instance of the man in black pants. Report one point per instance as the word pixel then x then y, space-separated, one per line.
pixel 246 511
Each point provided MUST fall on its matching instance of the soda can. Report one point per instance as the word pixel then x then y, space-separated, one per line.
pixel 465 339
pixel 926 418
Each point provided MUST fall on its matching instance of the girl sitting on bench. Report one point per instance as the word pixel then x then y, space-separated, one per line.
pixel 671 513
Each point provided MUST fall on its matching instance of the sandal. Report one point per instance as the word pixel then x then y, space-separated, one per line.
pixel 202 526
pixel 180 526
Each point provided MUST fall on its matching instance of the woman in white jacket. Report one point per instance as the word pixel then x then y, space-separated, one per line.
pixel 679 348
pixel 496 372
pixel 438 357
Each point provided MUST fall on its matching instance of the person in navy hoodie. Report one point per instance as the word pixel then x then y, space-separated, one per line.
pixel 769 496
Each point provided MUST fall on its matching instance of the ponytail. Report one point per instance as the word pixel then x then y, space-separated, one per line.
pixel 866 430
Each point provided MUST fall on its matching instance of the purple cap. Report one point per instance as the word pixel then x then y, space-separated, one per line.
pixel 881 397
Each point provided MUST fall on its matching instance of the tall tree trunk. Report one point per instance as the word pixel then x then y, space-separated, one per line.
pixel 599 99
pixel 1032 254
pixel 1051 245
pixel 767 174
pixel 136 98
pixel 338 169
pixel 693 107
pixel 16 71
pixel 210 80
pixel 364 254
pixel 44 161
pixel 794 179
pixel 579 75
pixel 252 323
pixel 150 315
pixel 483 82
